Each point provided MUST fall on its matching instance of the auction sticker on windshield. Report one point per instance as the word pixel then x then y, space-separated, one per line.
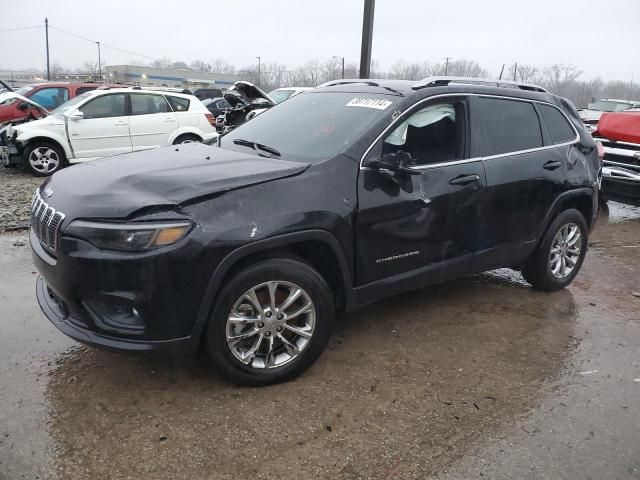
pixel 369 103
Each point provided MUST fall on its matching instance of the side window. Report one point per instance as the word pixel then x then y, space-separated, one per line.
pixel 105 106
pixel 82 90
pixel 505 126
pixel 145 104
pixel 178 104
pixel 433 134
pixel 50 98
pixel 559 127
pixel 223 104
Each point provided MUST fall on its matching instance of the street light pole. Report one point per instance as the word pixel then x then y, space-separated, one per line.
pixel 367 38
pixel 259 61
pixel 341 58
pixel 46 34
pixel 446 65
pixel 99 64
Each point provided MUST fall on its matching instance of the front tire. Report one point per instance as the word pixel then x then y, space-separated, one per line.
pixel 44 158
pixel 272 322
pixel 558 258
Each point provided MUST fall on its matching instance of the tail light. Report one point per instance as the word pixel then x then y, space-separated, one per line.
pixel 600 151
pixel 211 119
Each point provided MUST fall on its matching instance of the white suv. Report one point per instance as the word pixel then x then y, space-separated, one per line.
pixel 107 122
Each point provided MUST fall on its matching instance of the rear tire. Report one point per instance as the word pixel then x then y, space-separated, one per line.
pixel 44 158
pixel 187 138
pixel 277 343
pixel 558 258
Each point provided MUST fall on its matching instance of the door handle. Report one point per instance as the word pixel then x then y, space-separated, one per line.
pixel 464 179
pixel 120 123
pixel 552 165
pixel 169 120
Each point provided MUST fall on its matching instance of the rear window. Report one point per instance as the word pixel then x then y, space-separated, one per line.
pixel 82 90
pixel 559 127
pixel 505 126
pixel 178 104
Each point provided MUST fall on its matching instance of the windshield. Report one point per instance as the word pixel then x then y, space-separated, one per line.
pixel 279 96
pixel 71 104
pixel 313 126
pixel 609 106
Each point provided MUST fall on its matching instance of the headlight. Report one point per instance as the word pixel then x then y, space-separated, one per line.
pixel 130 237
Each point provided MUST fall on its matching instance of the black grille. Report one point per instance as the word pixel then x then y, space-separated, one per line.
pixel 630 161
pixel 45 222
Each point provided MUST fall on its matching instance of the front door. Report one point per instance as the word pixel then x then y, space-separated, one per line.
pixel 423 227
pixel 152 121
pixel 103 130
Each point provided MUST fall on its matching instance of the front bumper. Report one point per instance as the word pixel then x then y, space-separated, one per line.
pixel 77 329
pixel 10 155
pixel 137 302
pixel 621 183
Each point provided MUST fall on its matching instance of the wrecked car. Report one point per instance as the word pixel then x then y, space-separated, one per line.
pixel 106 122
pixel 619 134
pixel 246 250
pixel 246 101
pixel 591 115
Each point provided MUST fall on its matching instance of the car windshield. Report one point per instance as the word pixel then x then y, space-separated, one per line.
pixel 71 104
pixel 313 126
pixel 281 95
pixel 609 106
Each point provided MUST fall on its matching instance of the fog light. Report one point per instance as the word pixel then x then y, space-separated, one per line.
pixel 122 319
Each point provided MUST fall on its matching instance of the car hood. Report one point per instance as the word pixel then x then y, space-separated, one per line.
pixel 166 177
pixel 4 96
pixel 250 93
pixel 589 115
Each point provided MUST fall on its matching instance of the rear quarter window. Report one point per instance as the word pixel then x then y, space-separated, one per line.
pixel 178 104
pixel 505 126
pixel 558 126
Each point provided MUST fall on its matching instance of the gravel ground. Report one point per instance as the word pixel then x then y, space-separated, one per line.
pixel 16 189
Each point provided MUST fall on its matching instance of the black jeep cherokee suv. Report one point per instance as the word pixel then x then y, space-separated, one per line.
pixel 334 199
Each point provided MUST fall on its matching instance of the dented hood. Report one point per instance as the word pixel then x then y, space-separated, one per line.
pixel 4 96
pixel 166 177
pixel 250 93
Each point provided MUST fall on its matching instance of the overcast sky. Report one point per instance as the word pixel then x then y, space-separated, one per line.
pixel 599 37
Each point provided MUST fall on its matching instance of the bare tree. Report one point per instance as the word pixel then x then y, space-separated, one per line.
pixel 220 65
pixel 90 69
pixel 524 73
pixel 200 66
pixel 560 77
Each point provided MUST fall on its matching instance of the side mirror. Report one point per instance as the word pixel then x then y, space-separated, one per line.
pixel 399 162
pixel 23 106
pixel 77 115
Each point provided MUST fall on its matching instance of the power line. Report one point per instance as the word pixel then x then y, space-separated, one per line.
pixel 102 44
pixel 20 28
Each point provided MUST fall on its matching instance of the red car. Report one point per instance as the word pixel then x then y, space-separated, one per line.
pixel 48 95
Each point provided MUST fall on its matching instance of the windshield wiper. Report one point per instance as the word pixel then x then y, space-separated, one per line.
pixel 258 147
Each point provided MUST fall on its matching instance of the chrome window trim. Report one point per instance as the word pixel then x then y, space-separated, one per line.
pixel 404 114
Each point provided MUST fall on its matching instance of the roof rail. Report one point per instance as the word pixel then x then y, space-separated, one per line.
pixel 444 81
pixel 347 81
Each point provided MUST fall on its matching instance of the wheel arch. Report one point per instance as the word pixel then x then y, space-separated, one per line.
pixel 318 248
pixel 581 199
pixel 185 131
pixel 47 139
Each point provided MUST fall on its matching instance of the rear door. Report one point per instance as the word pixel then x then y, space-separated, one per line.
pixel 524 172
pixel 424 225
pixel 104 128
pixel 151 122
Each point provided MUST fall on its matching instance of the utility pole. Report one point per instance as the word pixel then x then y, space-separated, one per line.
pixel 515 70
pixel 46 34
pixel 367 38
pixel 259 61
pixel 99 64
pixel 343 68
pixel 501 72
pixel 446 65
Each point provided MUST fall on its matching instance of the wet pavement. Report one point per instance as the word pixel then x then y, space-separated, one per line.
pixel 477 378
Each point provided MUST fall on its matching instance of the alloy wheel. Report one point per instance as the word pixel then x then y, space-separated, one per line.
pixel 270 325
pixel 44 159
pixel 565 250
